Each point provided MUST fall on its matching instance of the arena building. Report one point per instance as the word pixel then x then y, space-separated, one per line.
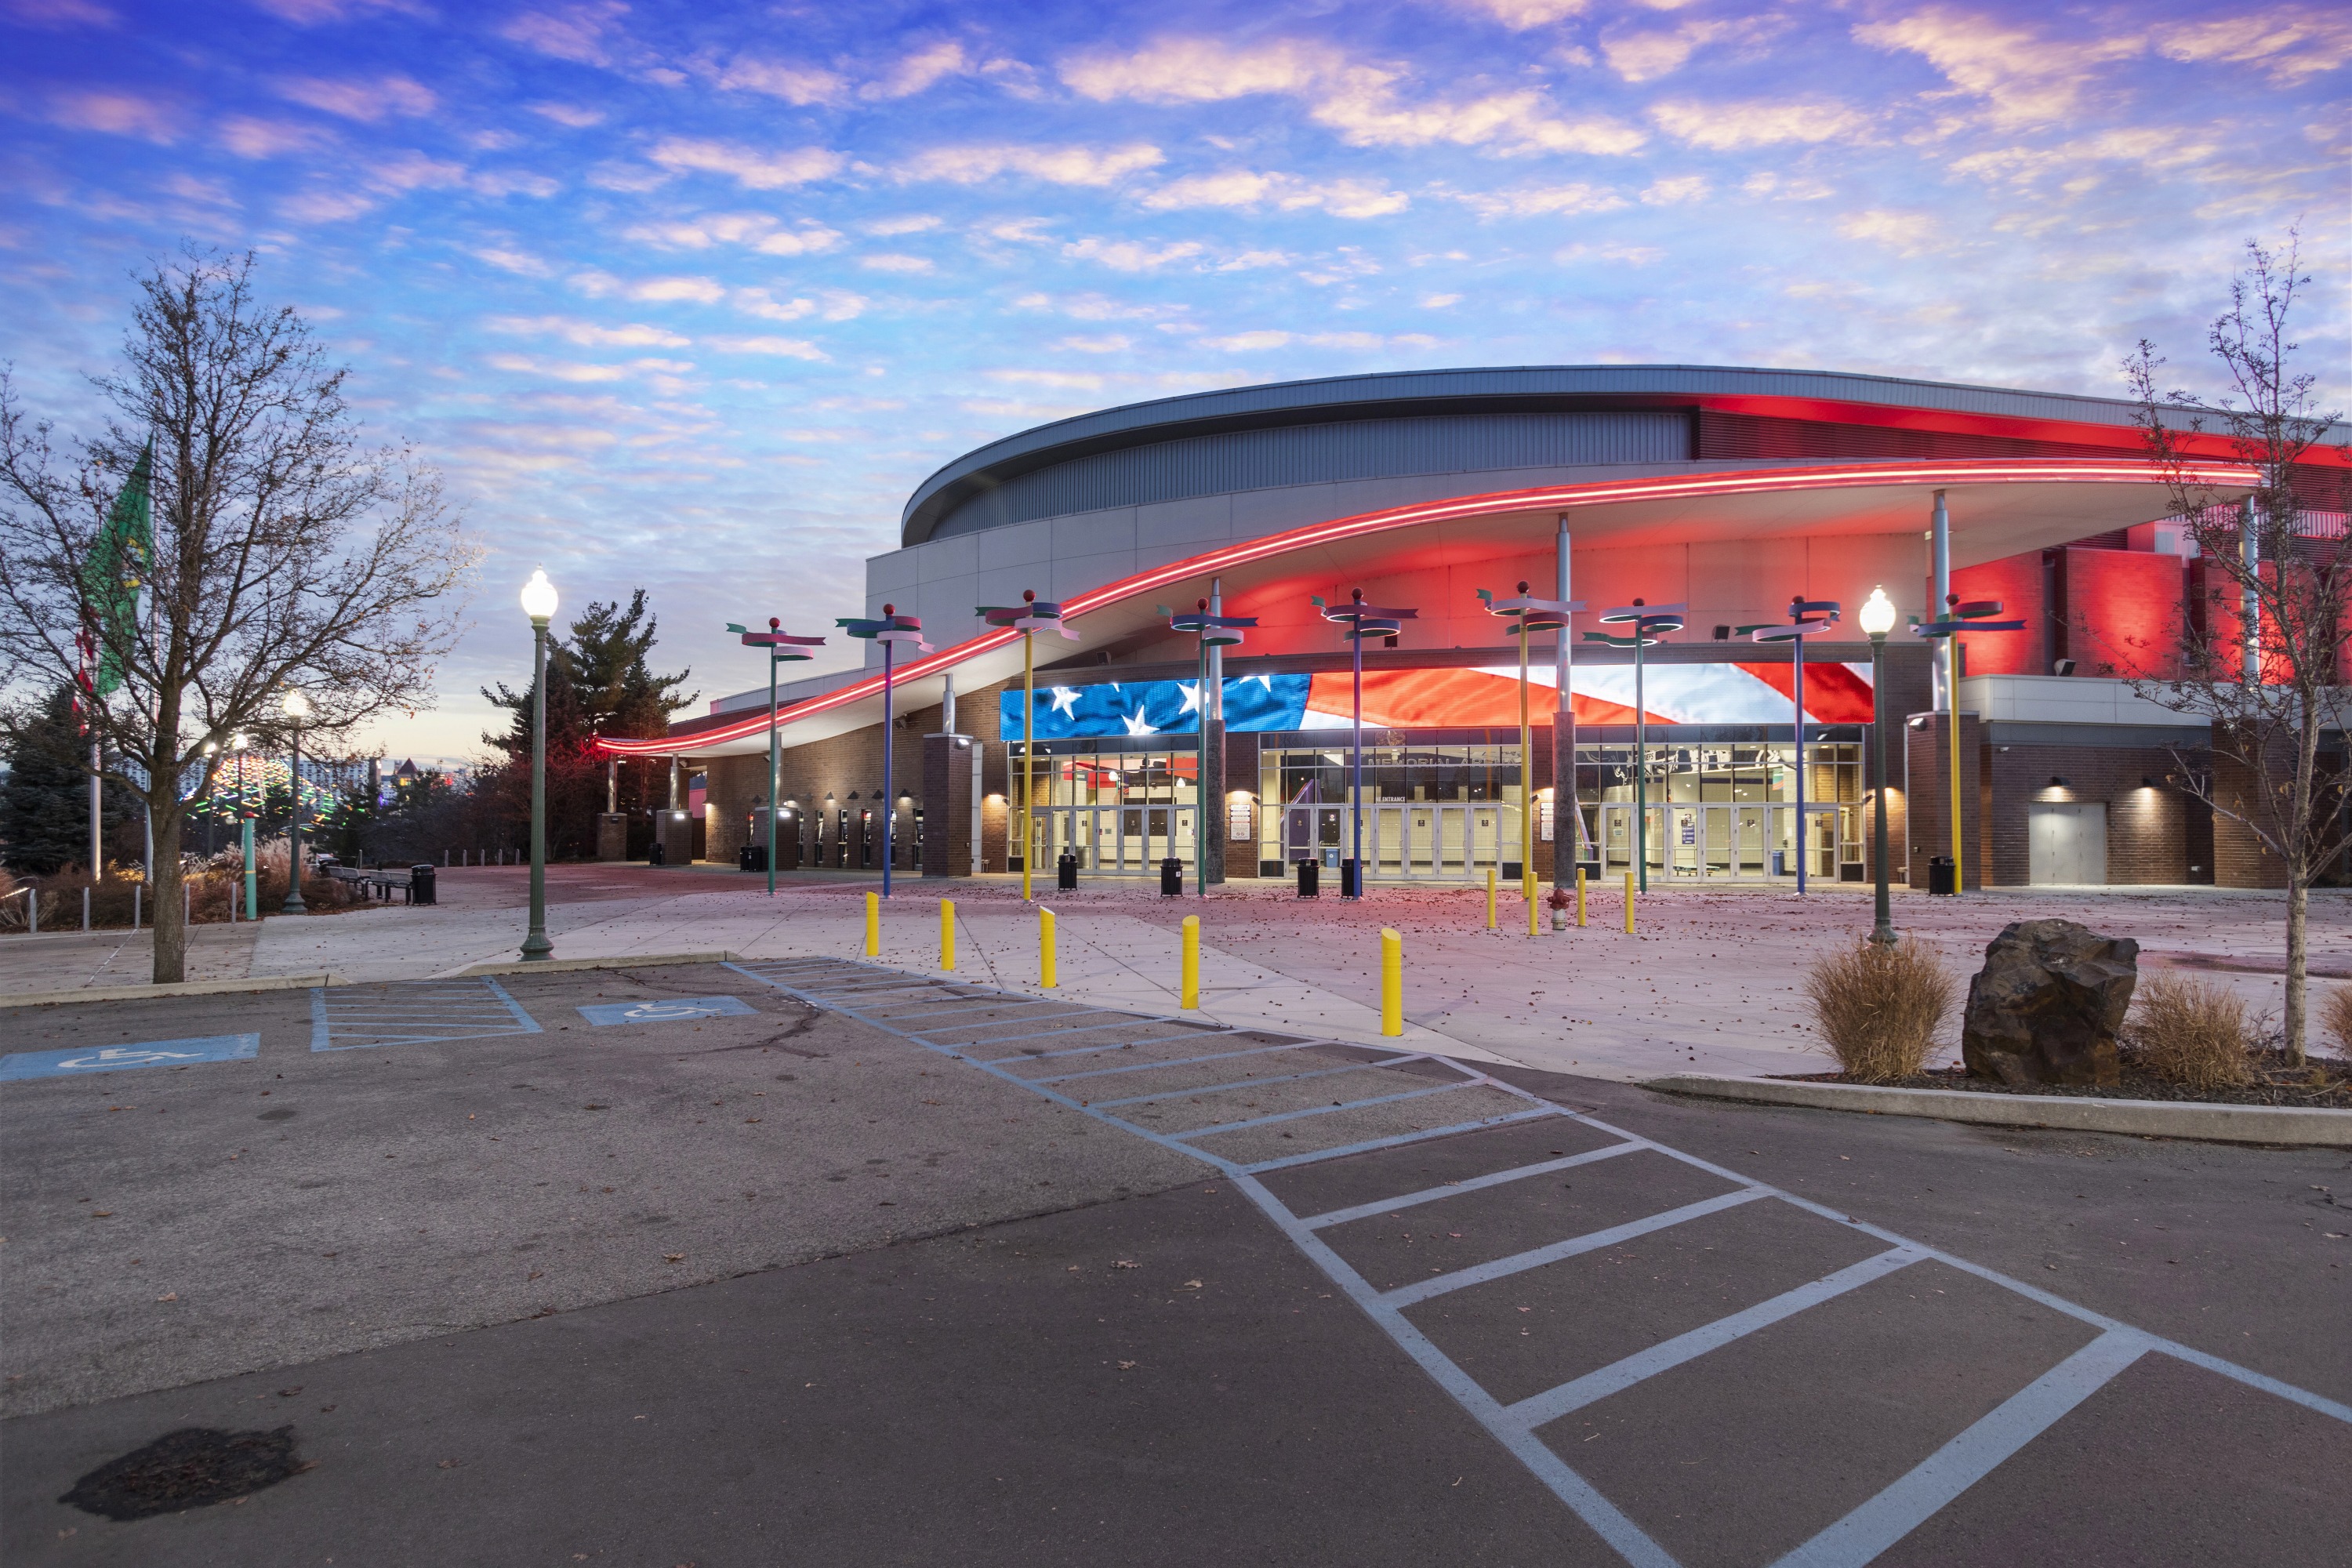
pixel 1728 491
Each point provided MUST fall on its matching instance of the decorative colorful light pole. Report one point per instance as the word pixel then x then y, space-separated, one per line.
pixel 1877 618
pixel 1650 622
pixel 891 630
pixel 1976 615
pixel 1362 621
pixel 244 823
pixel 1213 631
pixel 779 645
pixel 1530 615
pixel 1029 618
pixel 1804 615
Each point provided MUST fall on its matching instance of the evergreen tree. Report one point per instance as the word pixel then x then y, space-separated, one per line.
pixel 45 801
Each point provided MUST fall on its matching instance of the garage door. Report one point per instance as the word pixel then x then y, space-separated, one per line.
pixel 2067 842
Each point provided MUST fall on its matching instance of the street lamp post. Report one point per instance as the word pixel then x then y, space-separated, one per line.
pixel 1877 619
pixel 1649 623
pixel 1530 615
pixel 297 708
pixel 1213 631
pixel 539 604
pixel 1028 618
pixel 1362 621
pixel 776 642
pixel 891 630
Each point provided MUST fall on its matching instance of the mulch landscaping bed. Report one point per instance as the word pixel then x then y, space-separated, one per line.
pixel 2323 1083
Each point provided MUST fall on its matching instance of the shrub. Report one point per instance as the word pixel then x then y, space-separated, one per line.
pixel 2336 1017
pixel 1878 1007
pixel 2191 1032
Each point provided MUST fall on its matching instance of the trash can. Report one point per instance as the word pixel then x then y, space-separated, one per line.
pixel 1351 879
pixel 1171 878
pixel 1310 872
pixel 754 858
pixel 654 855
pixel 1940 878
pixel 1066 871
pixel 420 883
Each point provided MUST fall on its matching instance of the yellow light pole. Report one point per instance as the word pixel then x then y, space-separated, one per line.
pixel 1976 615
pixel 1029 618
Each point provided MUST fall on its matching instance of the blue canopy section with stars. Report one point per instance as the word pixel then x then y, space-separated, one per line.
pixel 1254 702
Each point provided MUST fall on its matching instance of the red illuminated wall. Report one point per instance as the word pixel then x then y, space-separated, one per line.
pixel 2123 610
pixel 2016 582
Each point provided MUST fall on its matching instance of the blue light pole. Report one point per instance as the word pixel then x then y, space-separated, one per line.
pixel 891 630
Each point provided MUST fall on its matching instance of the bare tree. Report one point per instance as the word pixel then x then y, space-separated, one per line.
pixel 2261 654
pixel 285 555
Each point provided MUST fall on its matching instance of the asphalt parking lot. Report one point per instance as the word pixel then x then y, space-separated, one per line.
pixel 935 1279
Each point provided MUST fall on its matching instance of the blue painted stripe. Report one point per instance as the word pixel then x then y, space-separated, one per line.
pixel 530 1024
pixel 1467 1184
pixel 1967 1459
pixel 1594 1386
pixel 1536 1257
pixel 317 1018
pixel 1320 1111
pixel 1262 1082
pixel 1394 1138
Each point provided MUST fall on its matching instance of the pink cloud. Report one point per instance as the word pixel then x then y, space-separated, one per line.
pixel 117 114
pixel 250 138
pixel 365 100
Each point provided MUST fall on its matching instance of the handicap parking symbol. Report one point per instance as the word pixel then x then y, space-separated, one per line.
pixel 85 1061
pixel 669 1010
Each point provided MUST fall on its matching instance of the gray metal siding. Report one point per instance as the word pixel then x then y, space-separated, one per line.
pixel 1317 454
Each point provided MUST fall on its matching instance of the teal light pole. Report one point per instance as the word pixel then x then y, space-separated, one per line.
pixel 539 604
pixel 778 645
pixel 1362 621
pixel 1213 631
pixel 1650 621
pixel 245 824
pixel 1804 615
pixel 891 630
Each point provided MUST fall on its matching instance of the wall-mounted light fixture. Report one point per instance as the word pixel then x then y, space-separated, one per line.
pixel 2057 782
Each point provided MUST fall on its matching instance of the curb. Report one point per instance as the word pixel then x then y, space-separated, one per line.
pixel 626 961
pixel 2276 1124
pixel 179 988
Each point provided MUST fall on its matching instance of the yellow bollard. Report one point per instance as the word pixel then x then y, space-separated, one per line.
pixel 1490 898
pixel 1629 903
pixel 1580 897
pixel 873 925
pixel 1047 976
pixel 947 935
pixel 1391 984
pixel 1528 892
pixel 1189 997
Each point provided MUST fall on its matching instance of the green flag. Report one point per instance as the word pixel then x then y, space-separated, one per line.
pixel 116 570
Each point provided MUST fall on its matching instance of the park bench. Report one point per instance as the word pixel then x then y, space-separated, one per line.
pixel 414 884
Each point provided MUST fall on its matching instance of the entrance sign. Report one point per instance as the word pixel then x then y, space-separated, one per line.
pixel 668 1010
pixel 84 1061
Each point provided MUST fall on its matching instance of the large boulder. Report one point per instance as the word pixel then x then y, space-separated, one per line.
pixel 2047 1004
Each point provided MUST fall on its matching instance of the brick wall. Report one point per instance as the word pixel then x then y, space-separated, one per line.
pixel 2148 827
pixel 1927 822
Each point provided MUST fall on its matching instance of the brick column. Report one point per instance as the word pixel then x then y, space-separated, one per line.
pixel 2240 859
pixel 946 805
pixel 1928 797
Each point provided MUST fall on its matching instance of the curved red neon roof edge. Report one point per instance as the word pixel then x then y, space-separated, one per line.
pixel 1748 481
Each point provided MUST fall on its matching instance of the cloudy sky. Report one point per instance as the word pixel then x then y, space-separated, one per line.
pixel 689 296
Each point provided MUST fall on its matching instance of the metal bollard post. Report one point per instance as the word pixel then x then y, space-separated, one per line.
pixel 873 925
pixel 1046 975
pixel 1189 993
pixel 1629 903
pixel 187 903
pixel 85 909
pixel 136 889
pixel 1580 897
pixel 1391 982
pixel 947 935
pixel 1490 898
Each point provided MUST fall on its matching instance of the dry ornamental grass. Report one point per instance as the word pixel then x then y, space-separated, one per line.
pixel 2193 1033
pixel 1878 1007
pixel 2336 1017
